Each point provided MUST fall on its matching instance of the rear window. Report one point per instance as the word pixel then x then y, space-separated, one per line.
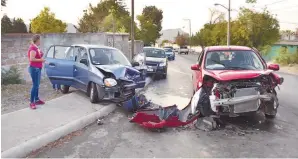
pixel 183 47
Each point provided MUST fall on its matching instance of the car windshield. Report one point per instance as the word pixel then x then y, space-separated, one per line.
pixel 106 56
pixel 233 60
pixel 168 49
pixel 183 47
pixel 152 52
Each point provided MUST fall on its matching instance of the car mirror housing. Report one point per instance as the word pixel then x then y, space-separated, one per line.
pixel 195 67
pixel 274 67
pixel 84 61
pixel 134 64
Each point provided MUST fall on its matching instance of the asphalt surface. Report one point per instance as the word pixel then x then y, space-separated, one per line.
pixel 241 137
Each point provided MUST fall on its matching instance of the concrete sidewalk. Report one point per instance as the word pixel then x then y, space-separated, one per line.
pixel 26 130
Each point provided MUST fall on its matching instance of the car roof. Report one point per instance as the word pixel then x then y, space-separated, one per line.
pixel 147 47
pixel 93 46
pixel 227 48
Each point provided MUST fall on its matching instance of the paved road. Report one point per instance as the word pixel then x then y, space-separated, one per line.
pixel 242 137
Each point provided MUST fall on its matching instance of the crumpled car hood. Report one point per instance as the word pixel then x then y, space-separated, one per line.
pixel 119 71
pixel 226 75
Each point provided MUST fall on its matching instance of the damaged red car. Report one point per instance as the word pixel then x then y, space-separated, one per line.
pixel 233 81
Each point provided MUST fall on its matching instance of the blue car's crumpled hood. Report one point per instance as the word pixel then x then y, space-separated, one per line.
pixel 121 71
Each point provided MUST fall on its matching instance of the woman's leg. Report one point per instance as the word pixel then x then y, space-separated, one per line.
pixel 33 74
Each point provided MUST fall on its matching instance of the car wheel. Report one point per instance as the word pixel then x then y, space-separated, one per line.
pixel 64 89
pixel 271 107
pixel 93 93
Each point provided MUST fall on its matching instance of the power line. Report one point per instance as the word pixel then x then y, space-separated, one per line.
pixel 274 2
pixel 285 8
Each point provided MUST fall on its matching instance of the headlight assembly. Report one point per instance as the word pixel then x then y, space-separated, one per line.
pixel 110 82
pixel 162 64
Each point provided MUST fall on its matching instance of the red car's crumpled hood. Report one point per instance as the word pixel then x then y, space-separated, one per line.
pixel 226 75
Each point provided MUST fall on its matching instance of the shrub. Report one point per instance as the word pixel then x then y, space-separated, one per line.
pixel 284 57
pixel 10 76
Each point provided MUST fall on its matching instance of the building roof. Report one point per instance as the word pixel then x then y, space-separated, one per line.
pixel 284 42
pixel 227 48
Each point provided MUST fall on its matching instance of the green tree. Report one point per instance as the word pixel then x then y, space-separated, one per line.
pixel 6 24
pixel 181 40
pixel 96 18
pixel 18 26
pixel 261 27
pixel 150 24
pixel 46 22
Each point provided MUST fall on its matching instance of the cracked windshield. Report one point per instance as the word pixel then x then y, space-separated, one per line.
pixel 149 79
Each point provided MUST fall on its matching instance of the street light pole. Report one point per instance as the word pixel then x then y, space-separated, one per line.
pixel 189 23
pixel 229 20
pixel 132 35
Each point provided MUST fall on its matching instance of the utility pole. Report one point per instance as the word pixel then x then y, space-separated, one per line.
pixel 189 23
pixel 113 19
pixel 229 20
pixel 229 24
pixel 132 35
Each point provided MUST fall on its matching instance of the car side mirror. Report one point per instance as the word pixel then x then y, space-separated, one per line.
pixel 195 67
pixel 134 64
pixel 274 67
pixel 84 61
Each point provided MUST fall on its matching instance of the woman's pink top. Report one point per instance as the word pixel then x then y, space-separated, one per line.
pixel 38 55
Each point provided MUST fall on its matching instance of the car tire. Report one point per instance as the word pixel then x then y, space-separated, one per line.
pixel 271 104
pixel 64 89
pixel 93 93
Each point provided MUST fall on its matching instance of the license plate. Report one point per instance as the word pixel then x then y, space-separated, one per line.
pixel 150 69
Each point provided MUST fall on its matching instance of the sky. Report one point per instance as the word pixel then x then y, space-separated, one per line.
pixel 174 11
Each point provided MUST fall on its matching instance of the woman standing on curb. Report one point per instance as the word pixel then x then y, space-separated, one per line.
pixel 35 60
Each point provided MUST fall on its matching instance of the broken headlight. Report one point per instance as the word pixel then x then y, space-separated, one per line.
pixel 110 82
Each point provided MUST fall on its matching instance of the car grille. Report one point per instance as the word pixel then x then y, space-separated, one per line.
pixel 151 63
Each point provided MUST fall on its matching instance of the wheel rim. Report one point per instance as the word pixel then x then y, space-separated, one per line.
pixel 91 92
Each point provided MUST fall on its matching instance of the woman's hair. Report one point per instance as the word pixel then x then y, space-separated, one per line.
pixel 35 38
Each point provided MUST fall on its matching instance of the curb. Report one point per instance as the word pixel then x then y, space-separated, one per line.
pixel 33 144
pixel 44 139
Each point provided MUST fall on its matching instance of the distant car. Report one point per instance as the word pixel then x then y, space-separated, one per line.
pixel 170 53
pixel 104 73
pixel 156 61
pixel 183 50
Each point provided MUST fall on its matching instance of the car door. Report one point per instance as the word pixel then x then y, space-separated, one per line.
pixel 81 68
pixel 58 68
pixel 197 74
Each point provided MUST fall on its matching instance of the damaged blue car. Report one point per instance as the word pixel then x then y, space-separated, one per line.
pixel 104 73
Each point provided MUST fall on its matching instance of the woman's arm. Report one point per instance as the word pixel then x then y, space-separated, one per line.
pixel 33 59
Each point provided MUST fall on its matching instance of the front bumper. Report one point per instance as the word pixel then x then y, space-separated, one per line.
pixel 119 93
pixel 156 70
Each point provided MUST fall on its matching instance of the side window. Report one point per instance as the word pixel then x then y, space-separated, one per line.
pixel 83 56
pixel 200 59
pixel 60 52
pixel 50 52
pixel 70 54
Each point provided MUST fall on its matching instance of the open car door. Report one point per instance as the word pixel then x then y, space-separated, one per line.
pixel 59 64
pixel 139 63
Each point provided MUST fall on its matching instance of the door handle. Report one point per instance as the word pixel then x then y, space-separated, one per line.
pixel 52 65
